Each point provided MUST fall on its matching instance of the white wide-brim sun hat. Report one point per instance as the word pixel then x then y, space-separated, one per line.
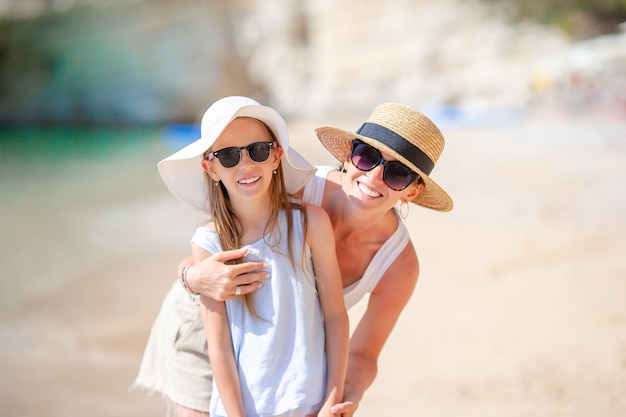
pixel 182 172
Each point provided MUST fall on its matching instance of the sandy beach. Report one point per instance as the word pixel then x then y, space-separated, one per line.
pixel 519 310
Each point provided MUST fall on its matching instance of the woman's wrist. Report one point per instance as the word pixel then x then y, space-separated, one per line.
pixel 346 382
pixel 184 281
pixel 353 391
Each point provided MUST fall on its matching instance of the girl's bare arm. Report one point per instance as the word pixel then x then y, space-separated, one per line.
pixel 330 291
pixel 221 355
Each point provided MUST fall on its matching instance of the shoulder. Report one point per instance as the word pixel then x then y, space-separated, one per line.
pixel 319 228
pixel 316 214
pixel 206 238
pixel 402 275
pixel 206 229
pixel 323 175
pixel 333 176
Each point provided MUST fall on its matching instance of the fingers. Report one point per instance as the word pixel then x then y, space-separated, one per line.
pixel 245 272
pixel 247 283
pixel 347 409
pixel 223 281
pixel 229 255
pixel 250 277
pixel 250 268
pixel 240 290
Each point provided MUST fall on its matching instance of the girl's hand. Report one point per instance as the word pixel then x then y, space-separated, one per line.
pixel 345 409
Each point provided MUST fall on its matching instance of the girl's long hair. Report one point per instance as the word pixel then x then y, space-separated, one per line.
pixel 230 231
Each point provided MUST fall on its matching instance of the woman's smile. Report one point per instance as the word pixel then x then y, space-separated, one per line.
pixel 367 190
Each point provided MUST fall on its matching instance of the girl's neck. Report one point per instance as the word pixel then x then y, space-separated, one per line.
pixel 253 218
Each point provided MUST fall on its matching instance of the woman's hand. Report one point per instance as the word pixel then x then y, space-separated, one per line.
pixel 352 395
pixel 213 278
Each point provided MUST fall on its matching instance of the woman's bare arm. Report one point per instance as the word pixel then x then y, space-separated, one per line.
pixel 385 305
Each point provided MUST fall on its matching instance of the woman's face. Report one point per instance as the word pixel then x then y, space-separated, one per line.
pixel 374 186
pixel 252 175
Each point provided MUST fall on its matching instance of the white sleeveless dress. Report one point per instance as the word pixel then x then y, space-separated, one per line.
pixel 281 355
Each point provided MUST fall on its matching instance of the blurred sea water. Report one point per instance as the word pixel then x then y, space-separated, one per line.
pixel 68 193
pixel 89 242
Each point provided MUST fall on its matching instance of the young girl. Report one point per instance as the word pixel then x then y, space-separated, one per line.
pixel 282 350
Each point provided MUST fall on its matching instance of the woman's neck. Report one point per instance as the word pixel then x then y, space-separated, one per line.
pixel 350 222
pixel 359 233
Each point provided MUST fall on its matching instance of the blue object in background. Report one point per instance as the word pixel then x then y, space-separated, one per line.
pixel 177 136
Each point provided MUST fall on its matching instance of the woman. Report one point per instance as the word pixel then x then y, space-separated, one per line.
pixel 388 160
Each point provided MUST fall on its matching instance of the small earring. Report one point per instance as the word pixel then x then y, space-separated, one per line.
pixel 404 214
pixel 343 172
pixel 274 172
pixel 217 183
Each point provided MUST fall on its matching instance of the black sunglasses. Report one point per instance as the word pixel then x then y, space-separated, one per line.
pixel 230 157
pixel 396 175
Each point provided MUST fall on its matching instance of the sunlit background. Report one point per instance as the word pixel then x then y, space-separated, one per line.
pixel 520 308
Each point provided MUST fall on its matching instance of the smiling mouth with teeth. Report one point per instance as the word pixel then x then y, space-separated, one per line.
pixel 248 180
pixel 367 191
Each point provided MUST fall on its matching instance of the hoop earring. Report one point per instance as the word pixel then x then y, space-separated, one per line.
pixel 401 210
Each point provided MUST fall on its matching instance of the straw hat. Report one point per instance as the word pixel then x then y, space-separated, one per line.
pixel 182 172
pixel 404 133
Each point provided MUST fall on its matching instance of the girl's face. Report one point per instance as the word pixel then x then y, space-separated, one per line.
pixel 248 178
pixel 370 188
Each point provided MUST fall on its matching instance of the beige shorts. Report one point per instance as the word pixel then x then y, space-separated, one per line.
pixel 176 362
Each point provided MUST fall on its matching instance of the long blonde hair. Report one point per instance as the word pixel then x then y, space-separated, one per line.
pixel 230 231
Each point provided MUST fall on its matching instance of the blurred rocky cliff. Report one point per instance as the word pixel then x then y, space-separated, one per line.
pixel 129 61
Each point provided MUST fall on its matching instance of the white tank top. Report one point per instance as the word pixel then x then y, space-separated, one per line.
pixel 281 358
pixel 387 254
